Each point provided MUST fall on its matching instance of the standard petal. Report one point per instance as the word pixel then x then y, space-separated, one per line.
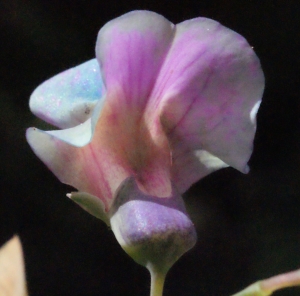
pixel 208 92
pixel 69 98
pixel 130 50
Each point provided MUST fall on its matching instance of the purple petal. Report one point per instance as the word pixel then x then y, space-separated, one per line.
pixel 130 50
pixel 69 98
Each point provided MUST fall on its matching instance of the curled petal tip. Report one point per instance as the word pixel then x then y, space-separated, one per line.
pixel 210 161
pixel 254 111
pixel 246 169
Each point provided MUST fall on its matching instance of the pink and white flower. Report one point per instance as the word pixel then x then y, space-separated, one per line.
pixel 161 107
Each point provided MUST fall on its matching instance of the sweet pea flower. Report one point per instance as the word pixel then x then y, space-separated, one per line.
pixel 160 107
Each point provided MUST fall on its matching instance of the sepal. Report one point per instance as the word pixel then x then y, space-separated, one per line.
pixel 154 231
pixel 90 203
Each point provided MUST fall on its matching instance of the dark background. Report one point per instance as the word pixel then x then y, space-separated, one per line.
pixel 248 225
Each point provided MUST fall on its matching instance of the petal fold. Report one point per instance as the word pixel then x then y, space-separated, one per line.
pixel 78 136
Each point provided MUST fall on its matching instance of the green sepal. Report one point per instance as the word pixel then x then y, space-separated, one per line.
pixel 254 290
pixel 90 203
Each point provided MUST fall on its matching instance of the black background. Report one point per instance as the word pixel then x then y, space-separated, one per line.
pixel 248 225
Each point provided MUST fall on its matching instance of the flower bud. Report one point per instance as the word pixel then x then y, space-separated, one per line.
pixel 154 231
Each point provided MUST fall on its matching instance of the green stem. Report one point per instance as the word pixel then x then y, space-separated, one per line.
pixel 157 283
pixel 268 286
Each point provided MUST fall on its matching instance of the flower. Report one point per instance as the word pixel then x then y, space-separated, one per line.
pixel 161 107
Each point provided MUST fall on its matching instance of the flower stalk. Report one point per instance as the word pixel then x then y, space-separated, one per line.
pixel 157 282
pixel 269 286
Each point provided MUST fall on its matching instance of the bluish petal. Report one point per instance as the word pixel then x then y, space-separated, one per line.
pixel 69 98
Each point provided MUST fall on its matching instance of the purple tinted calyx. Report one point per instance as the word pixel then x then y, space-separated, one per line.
pixel 154 231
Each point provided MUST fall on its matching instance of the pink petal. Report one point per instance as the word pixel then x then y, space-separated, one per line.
pixel 208 92
pixel 88 169
pixel 120 148
pixel 130 50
